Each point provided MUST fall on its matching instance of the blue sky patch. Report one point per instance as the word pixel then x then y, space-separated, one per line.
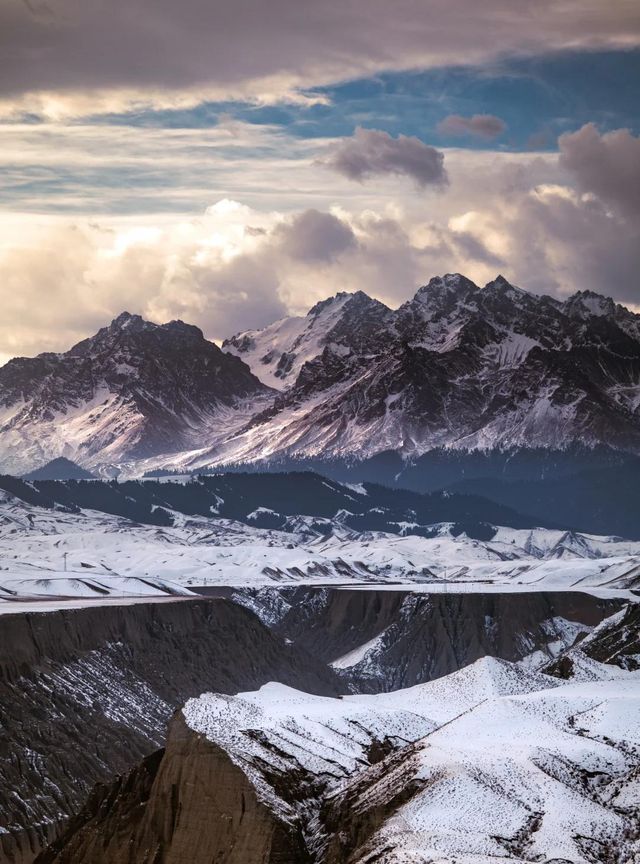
pixel 538 98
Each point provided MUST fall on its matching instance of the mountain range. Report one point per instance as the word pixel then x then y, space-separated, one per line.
pixel 456 369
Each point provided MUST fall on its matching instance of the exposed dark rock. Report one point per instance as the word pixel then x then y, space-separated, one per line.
pixel 87 693
pixel 198 800
pixel 188 802
pixel 616 642
pixel 620 643
pixel 463 366
pixel 353 816
pixel 422 636
pixel 456 367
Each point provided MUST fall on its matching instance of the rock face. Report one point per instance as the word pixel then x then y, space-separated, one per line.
pixel 122 671
pixel 457 366
pixel 616 641
pixel 387 640
pixel 87 693
pixel 188 802
pixel 133 390
pixel 346 322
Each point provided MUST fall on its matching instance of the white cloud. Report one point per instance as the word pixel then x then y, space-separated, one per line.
pixel 607 166
pixel 315 237
pixel 246 260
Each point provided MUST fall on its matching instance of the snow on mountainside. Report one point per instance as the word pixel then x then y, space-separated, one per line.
pixel 344 323
pixel 134 389
pixel 457 366
pixel 56 554
pixel 490 762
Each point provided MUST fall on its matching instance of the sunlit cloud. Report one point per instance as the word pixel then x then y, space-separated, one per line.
pixel 236 264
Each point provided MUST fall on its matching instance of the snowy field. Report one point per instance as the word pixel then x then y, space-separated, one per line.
pixel 51 556
pixel 502 762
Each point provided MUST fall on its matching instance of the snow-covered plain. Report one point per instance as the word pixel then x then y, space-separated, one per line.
pixel 502 763
pixel 48 554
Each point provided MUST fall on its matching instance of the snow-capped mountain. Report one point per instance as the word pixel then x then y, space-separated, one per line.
pixel 457 367
pixel 135 389
pixel 344 324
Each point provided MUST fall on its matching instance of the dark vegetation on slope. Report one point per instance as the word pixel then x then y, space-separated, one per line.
pixel 286 495
pixel 600 500
pixel 442 467
pixel 60 469
pixel 590 489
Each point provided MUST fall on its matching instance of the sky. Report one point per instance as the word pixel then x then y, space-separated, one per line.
pixel 233 163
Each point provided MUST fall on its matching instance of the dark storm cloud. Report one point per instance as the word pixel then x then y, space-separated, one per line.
pixel 607 166
pixel 315 236
pixel 370 153
pixel 63 45
pixel 485 126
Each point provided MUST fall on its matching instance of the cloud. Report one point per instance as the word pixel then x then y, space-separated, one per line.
pixel 315 236
pixel 553 223
pixel 472 248
pixel 62 281
pixel 556 241
pixel 370 153
pixel 486 126
pixel 161 52
pixel 607 166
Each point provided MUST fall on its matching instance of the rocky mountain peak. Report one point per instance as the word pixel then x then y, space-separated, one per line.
pixel 323 305
pixel 450 283
pixel 584 304
pixel 456 366
pixel 126 330
pixel 133 388
pixel 345 300
pixel 126 321
pixel 181 329
pixel 500 285
pixel 131 324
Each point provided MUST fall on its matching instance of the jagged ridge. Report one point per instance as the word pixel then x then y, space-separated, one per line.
pixel 456 367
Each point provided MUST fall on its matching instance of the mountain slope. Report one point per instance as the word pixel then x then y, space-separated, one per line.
pixel 275 501
pixel 457 366
pixel 346 322
pixel 59 469
pixel 133 390
pixel 601 499
pixel 86 693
